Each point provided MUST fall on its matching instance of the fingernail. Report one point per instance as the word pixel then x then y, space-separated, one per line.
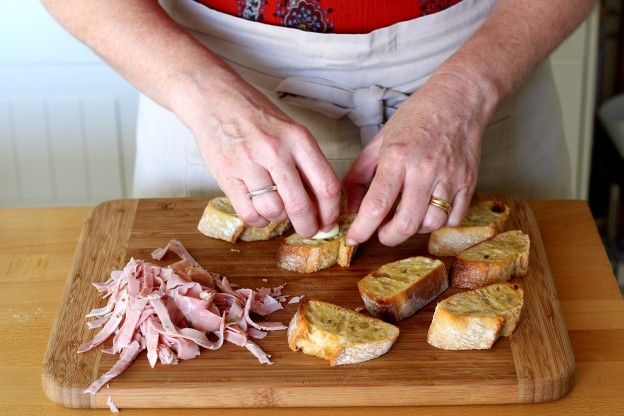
pixel 351 242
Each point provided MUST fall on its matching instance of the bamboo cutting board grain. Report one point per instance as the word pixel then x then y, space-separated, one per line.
pixel 536 364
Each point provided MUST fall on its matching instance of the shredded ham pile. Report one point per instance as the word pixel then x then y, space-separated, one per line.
pixel 172 311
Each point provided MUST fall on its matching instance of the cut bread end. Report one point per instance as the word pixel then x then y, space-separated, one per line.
pixel 219 220
pixel 397 290
pixel 492 261
pixel 483 221
pixel 475 319
pixel 339 335
pixel 306 255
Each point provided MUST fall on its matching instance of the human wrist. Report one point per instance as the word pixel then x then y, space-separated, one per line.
pixel 476 89
pixel 193 93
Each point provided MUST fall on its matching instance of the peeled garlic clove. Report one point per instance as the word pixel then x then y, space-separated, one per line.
pixel 324 235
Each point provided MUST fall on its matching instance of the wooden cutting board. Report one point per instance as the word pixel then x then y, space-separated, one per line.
pixel 536 364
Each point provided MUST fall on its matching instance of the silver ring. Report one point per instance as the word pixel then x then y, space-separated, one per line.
pixel 261 191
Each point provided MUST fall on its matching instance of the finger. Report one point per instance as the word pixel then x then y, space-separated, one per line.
pixel 322 181
pixel 436 217
pixel 296 200
pixel 268 204
pixel 460 205
pixel 376 204
pixel 360 175
pixel 236 191
pixel 410 212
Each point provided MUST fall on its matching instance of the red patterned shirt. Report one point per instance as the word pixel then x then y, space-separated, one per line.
pixel 338 16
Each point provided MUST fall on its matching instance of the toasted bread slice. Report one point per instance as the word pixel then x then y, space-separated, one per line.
pixel 306 255
pixel 483 220
pixel 339 335
pixel 397 290
pixel 474 320
pixel 492 261
pixel 219 220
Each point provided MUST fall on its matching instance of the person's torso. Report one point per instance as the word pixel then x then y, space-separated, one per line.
pixel 330 16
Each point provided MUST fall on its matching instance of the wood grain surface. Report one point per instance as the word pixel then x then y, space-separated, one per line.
pixel 536 364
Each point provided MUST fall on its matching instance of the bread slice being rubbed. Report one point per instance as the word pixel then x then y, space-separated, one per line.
pixel 219 220
pixel 492 261
pixel 483 220
pixel 307 255
pixel 339 335
pixel 397 290
pixel 475 319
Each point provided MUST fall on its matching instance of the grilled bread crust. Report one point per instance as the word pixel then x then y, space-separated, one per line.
pixel 476 318
pixel 305 255
pixel 219 220
pixel 397 290
pixel 339 335
pixel 492 261
pixel 483 220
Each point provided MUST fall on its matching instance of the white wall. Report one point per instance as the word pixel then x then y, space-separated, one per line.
pixel 574 64
pixel 67 121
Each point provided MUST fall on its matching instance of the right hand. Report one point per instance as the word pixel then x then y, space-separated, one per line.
pixel 248 143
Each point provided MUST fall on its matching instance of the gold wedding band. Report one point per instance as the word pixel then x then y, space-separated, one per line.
pixel 442 204
pixel 261 191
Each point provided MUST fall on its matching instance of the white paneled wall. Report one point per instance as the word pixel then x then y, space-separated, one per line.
pixel 63 150
pixel 67 121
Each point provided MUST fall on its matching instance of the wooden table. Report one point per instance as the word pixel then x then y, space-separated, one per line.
pixel 37 245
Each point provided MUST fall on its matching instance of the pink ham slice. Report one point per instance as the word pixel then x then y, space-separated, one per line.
pixel 175 247
pixel 111 405
pixel 127 357
pixel 165 311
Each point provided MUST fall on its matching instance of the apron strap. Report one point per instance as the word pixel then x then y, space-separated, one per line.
pixel 369 108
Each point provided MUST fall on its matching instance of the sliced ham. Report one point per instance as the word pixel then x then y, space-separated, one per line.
pixel 111 405
pixel 256 333
pixel 175 247
pixel 171 311
pixel 126 358
pixel 96 323
pixel 262 356
pixel 295 299
pixel 151 338
pixel 111 325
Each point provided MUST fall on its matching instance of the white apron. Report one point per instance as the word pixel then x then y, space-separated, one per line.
pixel 343 87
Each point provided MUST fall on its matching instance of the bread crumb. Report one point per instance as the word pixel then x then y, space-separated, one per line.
pixel 265 280
pixel 235 250
pixel 111 405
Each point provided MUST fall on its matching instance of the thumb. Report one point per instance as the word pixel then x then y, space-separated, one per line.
pixel 360 174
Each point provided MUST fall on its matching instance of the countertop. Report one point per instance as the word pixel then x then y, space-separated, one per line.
pixel 37 246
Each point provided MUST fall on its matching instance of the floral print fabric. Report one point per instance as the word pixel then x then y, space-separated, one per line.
pixel 330 16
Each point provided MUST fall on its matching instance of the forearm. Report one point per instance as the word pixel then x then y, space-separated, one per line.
pixel 514 39
pixel 141 42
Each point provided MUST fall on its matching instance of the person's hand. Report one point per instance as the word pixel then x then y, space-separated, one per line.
pixel 429 148
pixel 248 143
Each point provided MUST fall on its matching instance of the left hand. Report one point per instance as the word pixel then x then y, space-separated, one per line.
pixel 429 147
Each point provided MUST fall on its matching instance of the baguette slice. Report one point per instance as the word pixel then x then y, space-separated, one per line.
pixel 219 220
pixel 474 320
pixel 483 220
pixel 339 335
pixel 492 261
pixel 306 255
pixel 397 290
